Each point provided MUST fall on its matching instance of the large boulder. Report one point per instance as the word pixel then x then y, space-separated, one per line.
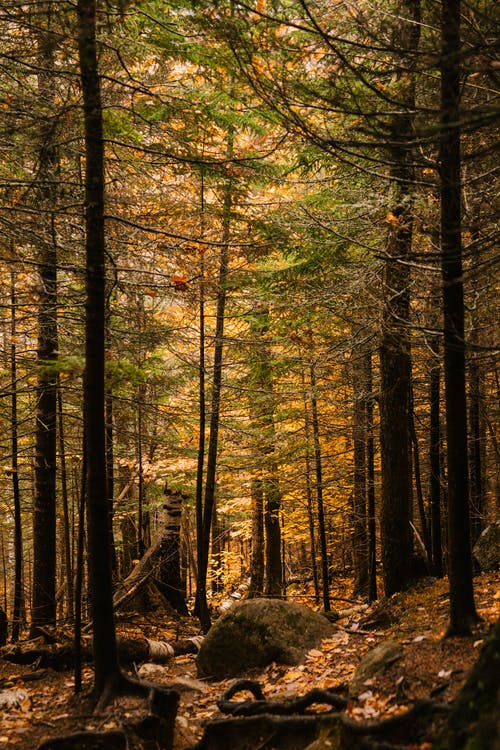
pixel 487 548
pixel 256 632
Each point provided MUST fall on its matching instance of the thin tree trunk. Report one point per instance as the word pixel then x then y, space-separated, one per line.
pixel 256 588
pixel 310 514
pixel 462 607
pixel 201 582
pixel 18 608
pixel 370 458
pixel 325 574
pixel 435 461
pixel 109 438
pixel 426 535
pixel 209 495
pixel 68 567
pixel 262 407
pixel 273 585
pixel 141 547
pixel 80 543
pixel 359 501
pixel 476 440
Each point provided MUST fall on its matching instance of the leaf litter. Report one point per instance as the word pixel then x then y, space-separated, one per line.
pixel 430 667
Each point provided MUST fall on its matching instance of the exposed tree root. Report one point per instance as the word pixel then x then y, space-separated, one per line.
pixel 286 708
pixel 261 725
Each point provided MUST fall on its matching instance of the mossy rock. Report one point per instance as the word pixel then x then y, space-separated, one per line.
pixel 255 633
pixel 373 662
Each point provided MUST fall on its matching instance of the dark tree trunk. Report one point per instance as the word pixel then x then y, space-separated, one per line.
pixel 476 441
pixel 18 609
pixel 359 501
pixel 325 572
pixel 203 545
pixel 109 438
pixel 370 450
pixel 257 552
pixel 273 586
pixel 43 607
pixel 462 607
pixel 474 717
pixel 79 572
pixel 435 461
pixel 107 671
pixel 395 357
pixel 218 543
pixel 262 409
pixel 424 524
pixel 201 582
pixel 395 375
pixel 309 494
pixel 68 563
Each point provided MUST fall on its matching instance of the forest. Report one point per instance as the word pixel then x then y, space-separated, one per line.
pixel 249 353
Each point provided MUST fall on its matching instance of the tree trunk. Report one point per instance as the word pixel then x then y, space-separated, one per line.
pixel 370 449
pixel 257 551
pixel 309 495
pixel 107 671
pixel 43 607
pixel 395 358
pixel 462 607
pixel 18 608
pixel 474 718
pixel 359 500
pixel 273 586
pixel 168 579
pixel 68 562
pixel 325 573
pixel 476 441
pixel 262 407
pixel 203 545
pixel 435 460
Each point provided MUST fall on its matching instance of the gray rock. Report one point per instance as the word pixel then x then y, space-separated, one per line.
pixel 487 548
pixel 372 662
pixel 256 632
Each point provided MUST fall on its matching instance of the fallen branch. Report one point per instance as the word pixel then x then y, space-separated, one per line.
pixel 60 656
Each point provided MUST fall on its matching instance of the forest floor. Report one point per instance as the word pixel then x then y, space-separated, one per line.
pixel 431 666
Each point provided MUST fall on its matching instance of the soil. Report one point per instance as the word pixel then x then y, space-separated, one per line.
pixel 431 666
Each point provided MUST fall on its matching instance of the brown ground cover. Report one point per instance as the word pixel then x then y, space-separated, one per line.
pixel 430 667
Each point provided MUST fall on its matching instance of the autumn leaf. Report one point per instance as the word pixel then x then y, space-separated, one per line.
pixel 391 219
pixel 180 282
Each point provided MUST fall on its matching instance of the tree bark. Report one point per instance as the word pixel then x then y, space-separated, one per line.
pixel 257 552
pixel 18 608
pixel 359 499
pixel 168 578
pixel 325 572
pixel 395 356
pixel 108 675
pixel 203 545
pixel 435 460
pixel 462 607
pixel 43 606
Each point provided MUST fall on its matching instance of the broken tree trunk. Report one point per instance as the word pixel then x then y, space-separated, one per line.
pixel 159 567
